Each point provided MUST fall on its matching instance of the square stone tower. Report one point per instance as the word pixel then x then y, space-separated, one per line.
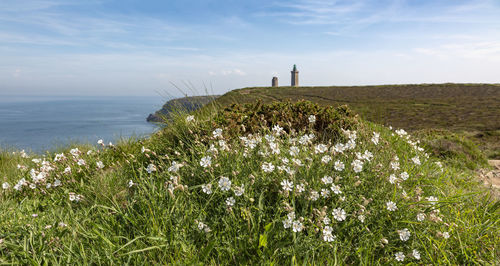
pixel 275 82
pixel 295 76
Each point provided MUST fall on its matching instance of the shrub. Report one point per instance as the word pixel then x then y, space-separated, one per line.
pixel 452 148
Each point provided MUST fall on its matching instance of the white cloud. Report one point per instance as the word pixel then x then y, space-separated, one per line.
pixel 488 51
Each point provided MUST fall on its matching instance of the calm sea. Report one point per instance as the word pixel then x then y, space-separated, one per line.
pixel 42 123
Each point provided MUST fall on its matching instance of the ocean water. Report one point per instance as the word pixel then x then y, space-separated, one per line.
pixel 38 124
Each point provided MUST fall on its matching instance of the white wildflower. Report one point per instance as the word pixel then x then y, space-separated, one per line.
pixel 174 167
pixel 375 138
pixel 420 217
pixel 100 165
pixel 320 148
pixel 350 145
pixel 224 183
pixel 294 151
pixel 287 185
pixel 339 166
pixel 336 189
pixel 416 160
pixel 238 191
pixel 201 225
pixel 277 130
pixel 151 168
pixel 404 234
pixel 339 214
pixel 326 159
pixel 339 148
pixel 300 188
pixel 325 193
pixel 404 175
pixel 433 200
pixel 212 149
pixel 401 132
pixel 206 161
pixel 326 220
pixel 67 170
pixel 393 179
pixel 100 142
pixel 57 183
pixel 72 196
pixel 267 167
pixel 395 165
pixel 207 189
pixel 361 218
pixel 275 149
pixel 312 119
pixel 190 118
pixel 327 234
pixel 89 152
pixel 314 196
pixel 59 157
pixel 287 223
pixel 131 183
pixel 400 256
pixel 357 166
pixel 217 133
pixel 297 162
pixel 5 185
pixel 81 162
pixel 368 155
pixel 230 201
pixel 391 206
pixel 446 235
pixel 269 138
pixel 297 226
pixel 415 254
pixel 75 152
pixel 327 180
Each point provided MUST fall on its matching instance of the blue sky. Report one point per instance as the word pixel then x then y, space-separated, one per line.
pixel 99 47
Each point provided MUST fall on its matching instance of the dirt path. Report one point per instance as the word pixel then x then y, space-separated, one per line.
pixel 491 178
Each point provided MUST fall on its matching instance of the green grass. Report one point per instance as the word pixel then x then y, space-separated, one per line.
pixel 162 218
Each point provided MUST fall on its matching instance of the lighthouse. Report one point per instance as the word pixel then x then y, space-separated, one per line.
pixel 295 76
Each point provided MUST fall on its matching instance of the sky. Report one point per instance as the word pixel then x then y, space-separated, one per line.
pixel 176 47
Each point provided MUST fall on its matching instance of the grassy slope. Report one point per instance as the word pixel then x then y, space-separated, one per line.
pixel 471 109
pixel 180 104
pixel 157 219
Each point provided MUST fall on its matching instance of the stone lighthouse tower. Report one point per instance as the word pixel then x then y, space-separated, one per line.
pixel 295 76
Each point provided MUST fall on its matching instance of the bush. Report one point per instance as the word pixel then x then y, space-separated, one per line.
pixel 453 148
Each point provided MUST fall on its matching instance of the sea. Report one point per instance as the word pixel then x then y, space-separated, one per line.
pixel 39 124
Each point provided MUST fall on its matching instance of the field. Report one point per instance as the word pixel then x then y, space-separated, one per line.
pixel 470 109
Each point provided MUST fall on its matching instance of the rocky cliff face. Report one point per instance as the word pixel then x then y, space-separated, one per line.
pixel 181 104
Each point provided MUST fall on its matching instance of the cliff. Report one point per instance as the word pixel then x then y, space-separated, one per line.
pixel 180 104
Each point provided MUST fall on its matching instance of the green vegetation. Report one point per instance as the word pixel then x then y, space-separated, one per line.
pixel 452 147
pixel 469 109
pixel 185 104
pixel 285 183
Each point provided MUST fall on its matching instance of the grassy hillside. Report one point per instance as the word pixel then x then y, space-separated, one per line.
pixel 185 104
pixel 470 109
pixel 256 184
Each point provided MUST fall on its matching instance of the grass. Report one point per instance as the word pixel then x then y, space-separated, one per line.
pixel 471 110
pixel 150 201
